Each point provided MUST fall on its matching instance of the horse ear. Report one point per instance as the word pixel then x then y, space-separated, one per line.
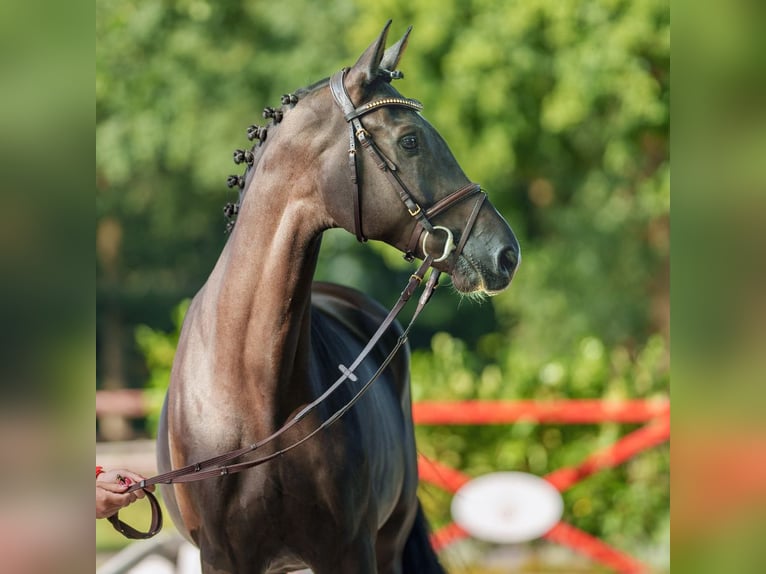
pixel 366 68
pixel 394 53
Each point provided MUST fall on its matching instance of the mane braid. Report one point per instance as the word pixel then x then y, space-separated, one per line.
pixel 252 156
pixel 260 133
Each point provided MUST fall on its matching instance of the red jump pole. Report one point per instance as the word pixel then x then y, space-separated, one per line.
pixel 580 411
pixel 631 444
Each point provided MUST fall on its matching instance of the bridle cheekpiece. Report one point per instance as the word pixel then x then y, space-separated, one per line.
pixel 357 133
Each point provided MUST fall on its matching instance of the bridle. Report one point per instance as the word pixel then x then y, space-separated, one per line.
pixel 216 466
pixel 423 226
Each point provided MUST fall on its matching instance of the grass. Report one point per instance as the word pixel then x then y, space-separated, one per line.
pixel 139 516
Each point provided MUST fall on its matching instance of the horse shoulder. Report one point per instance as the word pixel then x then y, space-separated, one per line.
pixel 362 315
pixel 357 311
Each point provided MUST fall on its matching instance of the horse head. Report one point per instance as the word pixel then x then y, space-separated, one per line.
pixel 411 168
pixel 363 158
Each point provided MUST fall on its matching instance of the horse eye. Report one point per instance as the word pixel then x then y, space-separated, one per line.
pixel 409 142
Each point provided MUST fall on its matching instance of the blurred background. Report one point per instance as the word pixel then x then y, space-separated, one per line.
pixel 559 109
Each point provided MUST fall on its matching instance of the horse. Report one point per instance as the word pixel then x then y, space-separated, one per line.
pixel 261 340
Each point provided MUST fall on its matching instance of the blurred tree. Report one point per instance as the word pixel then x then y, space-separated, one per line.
pixel 176 85
pixel 561 111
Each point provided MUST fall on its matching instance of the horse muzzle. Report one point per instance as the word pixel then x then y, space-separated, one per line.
pixel 487 263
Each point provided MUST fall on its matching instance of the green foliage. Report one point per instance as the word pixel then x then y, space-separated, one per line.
pixel 158 349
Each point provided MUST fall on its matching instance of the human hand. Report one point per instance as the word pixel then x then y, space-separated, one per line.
pixel 110 491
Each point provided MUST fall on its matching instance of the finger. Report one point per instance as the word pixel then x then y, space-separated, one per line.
pixel 109 476
pixel 108 503
pixel 114 487
pixel 133 476
pixel 120 500
pixel 129 477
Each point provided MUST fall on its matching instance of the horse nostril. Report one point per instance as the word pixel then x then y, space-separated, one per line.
pixel 507 260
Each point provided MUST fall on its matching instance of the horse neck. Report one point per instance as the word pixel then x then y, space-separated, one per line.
pixel 260 293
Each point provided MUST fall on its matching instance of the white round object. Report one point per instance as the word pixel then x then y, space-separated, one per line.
pixel 505 507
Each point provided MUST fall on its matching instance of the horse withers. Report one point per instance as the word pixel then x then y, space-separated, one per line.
pixel 261 341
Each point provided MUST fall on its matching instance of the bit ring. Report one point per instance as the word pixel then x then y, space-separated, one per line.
pixel 449 245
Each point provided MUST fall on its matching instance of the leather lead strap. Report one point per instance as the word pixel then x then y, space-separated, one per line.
pixel 201 470
pixel 211 467
pixel 128 531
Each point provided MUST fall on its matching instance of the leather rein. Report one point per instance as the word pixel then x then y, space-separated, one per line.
pixel 216 466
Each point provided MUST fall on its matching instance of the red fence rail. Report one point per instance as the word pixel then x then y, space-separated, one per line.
pixel 131 403
pixel 582 411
